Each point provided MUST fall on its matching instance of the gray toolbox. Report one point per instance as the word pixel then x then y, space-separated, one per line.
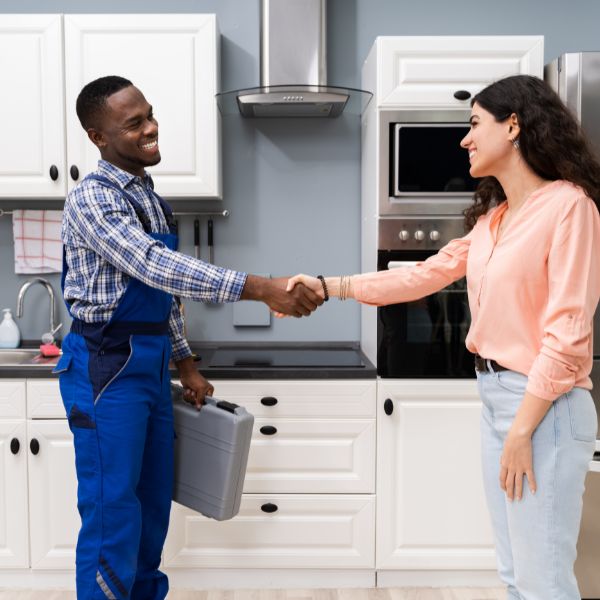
pixel 211 454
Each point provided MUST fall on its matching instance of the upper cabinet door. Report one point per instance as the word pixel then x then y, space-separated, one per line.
pixel 173 60
pixel 426 72
pixel 32 152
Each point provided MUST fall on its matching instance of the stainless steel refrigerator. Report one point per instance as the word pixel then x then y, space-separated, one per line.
pixel 576 78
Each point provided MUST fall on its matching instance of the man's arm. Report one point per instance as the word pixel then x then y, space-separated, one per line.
pixel 103 219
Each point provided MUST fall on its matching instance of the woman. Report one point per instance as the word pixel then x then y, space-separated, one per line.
pixel 532 262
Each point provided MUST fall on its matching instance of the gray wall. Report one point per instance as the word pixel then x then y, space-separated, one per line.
pixel 293 186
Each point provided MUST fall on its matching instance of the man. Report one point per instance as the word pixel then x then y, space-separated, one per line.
pixel 121 279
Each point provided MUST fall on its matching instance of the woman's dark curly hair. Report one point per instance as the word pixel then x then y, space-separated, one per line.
pixel 550 140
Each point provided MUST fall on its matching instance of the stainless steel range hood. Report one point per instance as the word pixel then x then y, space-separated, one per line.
pixel 293 67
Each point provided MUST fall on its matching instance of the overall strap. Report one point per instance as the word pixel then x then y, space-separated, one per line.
pixel 139 211
pixel 167 211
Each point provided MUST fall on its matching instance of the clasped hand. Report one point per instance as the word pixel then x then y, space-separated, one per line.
pixel 308 288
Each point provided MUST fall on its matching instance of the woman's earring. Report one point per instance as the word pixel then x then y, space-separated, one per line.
pixel 516 143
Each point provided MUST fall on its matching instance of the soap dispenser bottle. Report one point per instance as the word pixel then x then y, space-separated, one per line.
pixel 9 332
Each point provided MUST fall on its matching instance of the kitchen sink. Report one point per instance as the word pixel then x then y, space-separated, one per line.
pixel 25 357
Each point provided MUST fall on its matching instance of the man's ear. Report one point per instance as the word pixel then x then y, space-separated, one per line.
pixel 96 138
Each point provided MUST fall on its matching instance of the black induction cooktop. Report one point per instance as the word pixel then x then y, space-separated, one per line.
pixel 287 358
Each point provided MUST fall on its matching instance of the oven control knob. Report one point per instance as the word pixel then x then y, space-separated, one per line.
pixel 404 235
pixel 419 235
pixel 434 235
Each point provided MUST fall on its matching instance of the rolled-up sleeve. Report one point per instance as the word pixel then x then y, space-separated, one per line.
pixel 573 291
pixel 179 345
pixel 411 283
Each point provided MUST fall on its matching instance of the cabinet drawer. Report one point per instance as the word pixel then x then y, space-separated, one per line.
pixel 43 399
pixel 12 399
pixel 310 531
pixel 337 398
pixel 312 456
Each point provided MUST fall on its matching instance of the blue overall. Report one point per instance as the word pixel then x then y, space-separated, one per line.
pixel 114 382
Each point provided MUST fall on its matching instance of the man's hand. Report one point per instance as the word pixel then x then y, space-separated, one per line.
pixel 195 387
pixel 299 302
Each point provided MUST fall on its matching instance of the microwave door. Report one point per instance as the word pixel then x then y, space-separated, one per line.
pixel 428 161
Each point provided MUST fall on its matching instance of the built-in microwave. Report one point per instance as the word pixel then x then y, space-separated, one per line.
pixel 424 170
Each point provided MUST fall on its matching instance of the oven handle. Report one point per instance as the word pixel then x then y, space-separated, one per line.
pixel 402 264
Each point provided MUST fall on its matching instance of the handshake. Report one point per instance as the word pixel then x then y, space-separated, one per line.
pixel 296 296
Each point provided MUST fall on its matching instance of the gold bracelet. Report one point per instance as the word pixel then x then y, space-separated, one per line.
pixel 343 287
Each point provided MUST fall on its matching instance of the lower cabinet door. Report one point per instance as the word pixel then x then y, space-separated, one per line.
pixel 14 550
pixel 54 520
pixel 431 507
pixel 277 531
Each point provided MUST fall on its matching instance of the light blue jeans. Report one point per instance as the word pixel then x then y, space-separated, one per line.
pixel 536 537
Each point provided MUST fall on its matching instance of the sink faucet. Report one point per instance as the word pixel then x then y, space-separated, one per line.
pixel 53 326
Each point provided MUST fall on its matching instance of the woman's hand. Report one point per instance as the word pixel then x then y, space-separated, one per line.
pixel 516 461
pixel 310 282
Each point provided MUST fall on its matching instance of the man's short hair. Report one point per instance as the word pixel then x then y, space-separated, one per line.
pixel 92 98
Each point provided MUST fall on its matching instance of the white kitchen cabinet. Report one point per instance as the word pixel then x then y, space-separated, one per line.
pixel 53 517
pixel 424 72
pixel 431 509
pixel 14 524
pixel 173 59
pixel 32 107
pixel 318 469
pixel 39 521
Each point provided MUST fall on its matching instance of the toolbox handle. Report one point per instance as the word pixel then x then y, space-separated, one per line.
pixel 268 430
pixel 269 507
pixel 228 406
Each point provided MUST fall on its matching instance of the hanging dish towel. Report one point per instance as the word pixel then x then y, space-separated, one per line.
pixel 38 247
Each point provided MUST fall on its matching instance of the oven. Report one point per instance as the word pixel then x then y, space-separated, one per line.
pixel 423 169
pixel 424 338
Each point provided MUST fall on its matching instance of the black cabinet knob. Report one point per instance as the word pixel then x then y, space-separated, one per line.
pixel 54 172
pixel 269 508
pixel 268 401
pixel 34 446
pixel 268 430
pixel 74 172
pixel 388 407
pixel 462 94
pixel 15 446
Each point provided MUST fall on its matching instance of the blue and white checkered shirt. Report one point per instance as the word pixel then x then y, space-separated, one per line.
pixel 106 245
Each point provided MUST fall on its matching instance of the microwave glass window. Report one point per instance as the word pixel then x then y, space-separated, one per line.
pixel 429 159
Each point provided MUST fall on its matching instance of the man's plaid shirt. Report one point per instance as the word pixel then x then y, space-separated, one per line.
pixel 106 244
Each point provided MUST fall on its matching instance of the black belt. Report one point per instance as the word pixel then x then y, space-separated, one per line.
pixel 121 327
pixel 481 365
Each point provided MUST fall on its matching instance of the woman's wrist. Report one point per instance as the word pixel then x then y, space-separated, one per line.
pixel 340 286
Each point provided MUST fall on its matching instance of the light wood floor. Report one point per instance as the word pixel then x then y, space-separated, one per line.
pixel 321 594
